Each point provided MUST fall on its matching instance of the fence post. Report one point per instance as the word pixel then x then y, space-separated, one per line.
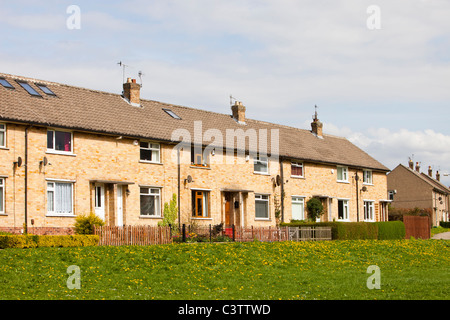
pixel 210 232
pixel 234 233
pixel 184 232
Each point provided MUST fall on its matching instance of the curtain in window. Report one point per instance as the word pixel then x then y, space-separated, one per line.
pixel 63 198
pixel 67 138
pixel 1 196
pixel 261 208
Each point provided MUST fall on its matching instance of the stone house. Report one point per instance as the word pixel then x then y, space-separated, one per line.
pixel 67 151
pixel 408 188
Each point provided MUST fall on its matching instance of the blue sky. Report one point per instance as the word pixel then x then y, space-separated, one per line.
pixel 387 90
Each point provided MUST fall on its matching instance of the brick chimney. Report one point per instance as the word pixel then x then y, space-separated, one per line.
pixel 417 167
pixel 131 91
pixel 438 176
pixel 238 110
pixel 430 171
pixel 411 164
pixel 316 126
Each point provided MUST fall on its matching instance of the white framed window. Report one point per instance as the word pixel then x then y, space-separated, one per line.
pixel 391 195
pixel 59 198
pixel 150 152
pixel 2 195
pixel 261 206
pixel 297 169
pixel 342 174
pixel 367 177
pixel 150 202
pixel 298 208
pixel 343 213
pixel 369 211
pixel 59 141
pixel 261 164
pixel 2 135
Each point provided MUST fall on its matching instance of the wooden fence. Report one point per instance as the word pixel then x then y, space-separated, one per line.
pixel 133 235
pixel 418 227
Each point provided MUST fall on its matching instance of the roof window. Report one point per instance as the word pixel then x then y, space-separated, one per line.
pixel 172 114
pixel 29 88
pixel 6 84
pixel 46 90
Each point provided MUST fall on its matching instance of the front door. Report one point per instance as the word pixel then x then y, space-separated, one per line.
pixel 228 209
pixel 119 216
pixel 100 201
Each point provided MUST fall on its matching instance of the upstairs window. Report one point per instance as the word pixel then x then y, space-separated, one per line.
pixel 29 88
pixel 261 164
pixel 59 141
pixel 342 174
pixel 6 84
pixel 150 152
pixel 198 158
pixel 2 135
pixel 367 176
pixel 297 169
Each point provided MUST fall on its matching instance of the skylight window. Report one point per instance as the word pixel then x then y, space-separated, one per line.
pixel 172 114
pixel 46 89
pixel 6 84
pixel 29 89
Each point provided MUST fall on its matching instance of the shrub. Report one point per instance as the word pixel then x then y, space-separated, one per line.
pixel 34 241
pixel 170 212
pixel 444 224
pixel 315 208
pixel 389 230
pixel 85 224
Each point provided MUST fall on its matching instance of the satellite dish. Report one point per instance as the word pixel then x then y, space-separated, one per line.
pixel 45 161
pixel 19 161
pixel 364 188
pixel 189 179
pixel 278 180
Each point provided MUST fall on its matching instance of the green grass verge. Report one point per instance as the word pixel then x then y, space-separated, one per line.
pixel 409 269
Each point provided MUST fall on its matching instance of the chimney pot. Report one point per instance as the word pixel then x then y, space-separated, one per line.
pixel 417 167
pixel 411 164
pixel 438 176
pixel 133 80
pixel 430 171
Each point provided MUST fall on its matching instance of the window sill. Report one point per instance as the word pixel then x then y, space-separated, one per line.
pixel 342 181
pixel 200 167
pixel 150 162
pixel 263 219
pixel 343 220
pixel 60 215
pixel 62 153
pixel 4 148
pixel 150 217
pixel 3 214
pixel 298 177
pixel 206 218
pixel 261 173
pixel 367 184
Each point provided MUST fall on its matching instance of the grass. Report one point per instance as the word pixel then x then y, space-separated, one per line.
pixel 439 229
pixel 409 269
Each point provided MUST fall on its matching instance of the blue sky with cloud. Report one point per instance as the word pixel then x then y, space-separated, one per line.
pixel 386 90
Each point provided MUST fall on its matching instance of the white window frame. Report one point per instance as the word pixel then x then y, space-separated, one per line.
pixel 51 187
pixel 53 150
pixel 367 177
pixel 346 213
pixel 298 200
pixel 261 160
pixel 3 132
pixel 3 194
pixel 298 165
pixel 261 198
pixel 155 149
pixel 156 195
pixel 369 210
pixel 344 174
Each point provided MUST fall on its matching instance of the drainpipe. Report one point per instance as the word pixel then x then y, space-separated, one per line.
pixel 357 196
pixel 179 177
pixel 26 181
pixel 282 189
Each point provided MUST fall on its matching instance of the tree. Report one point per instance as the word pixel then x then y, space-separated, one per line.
pixel 315 208
pixel 170 212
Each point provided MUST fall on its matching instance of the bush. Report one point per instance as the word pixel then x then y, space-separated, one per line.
pixel 34 241
pixel 85 224
pixel 315 208
pixel 444 224
pixel 389 230
pixel 170 212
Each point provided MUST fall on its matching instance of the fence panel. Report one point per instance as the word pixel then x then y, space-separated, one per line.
pixel 417 226
pixel 133 235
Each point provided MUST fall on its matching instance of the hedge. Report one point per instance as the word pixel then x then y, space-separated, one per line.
pixel 34 241
pixel 358 230
pixel 444 224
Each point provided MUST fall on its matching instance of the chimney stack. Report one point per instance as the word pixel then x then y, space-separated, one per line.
pixel 316 126
pixel 430 171
pixel 438 176
pixel 131 91
pixel 417 167
pixel 411 164
pixel 238 110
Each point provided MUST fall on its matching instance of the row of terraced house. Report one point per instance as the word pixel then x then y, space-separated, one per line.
pixel 67 151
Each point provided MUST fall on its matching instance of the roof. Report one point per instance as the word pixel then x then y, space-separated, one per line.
pixel 435 184
pixel 102 112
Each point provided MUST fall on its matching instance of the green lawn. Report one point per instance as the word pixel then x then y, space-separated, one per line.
pixel 409 269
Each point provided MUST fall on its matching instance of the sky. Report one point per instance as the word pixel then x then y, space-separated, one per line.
pixel 378 70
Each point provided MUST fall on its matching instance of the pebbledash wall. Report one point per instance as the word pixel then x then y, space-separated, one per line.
pixel 113 165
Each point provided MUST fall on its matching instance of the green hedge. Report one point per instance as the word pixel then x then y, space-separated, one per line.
pixel 358 230
pixel 444 224
pixel 390 230
pixel 34 241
